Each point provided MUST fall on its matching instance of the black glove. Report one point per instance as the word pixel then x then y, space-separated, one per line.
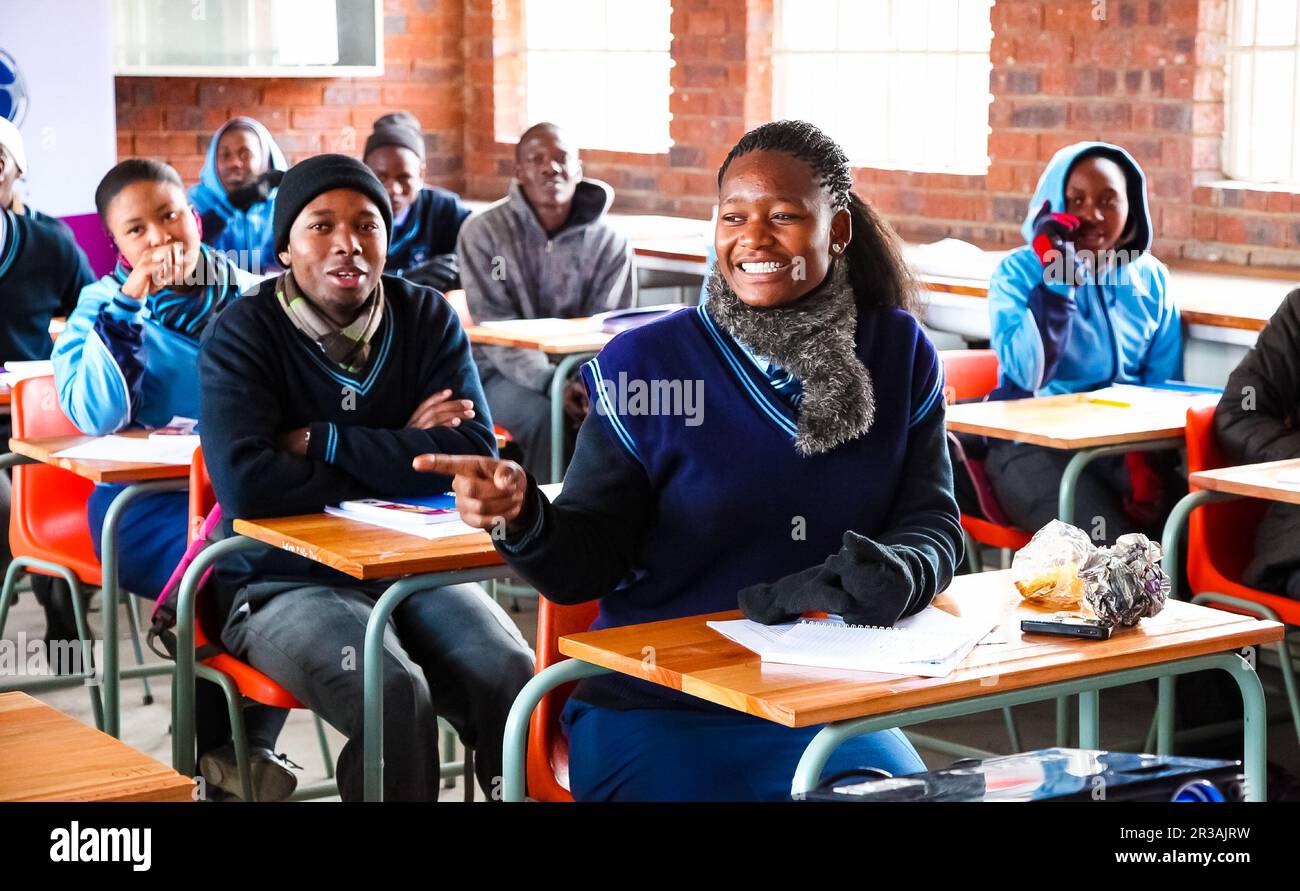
pixel 441 272
pixel 865 582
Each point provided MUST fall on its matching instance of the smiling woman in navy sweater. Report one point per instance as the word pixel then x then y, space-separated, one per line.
pixel 815 478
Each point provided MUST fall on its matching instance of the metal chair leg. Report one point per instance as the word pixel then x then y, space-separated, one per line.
pixel 1288 679
pixel 130 601
pixel 973 558
pixel 238 732
pixel 324 746
pixel 1013 732
pixel 448 753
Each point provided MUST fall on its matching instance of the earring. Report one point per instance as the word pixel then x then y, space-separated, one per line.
pixel 837 248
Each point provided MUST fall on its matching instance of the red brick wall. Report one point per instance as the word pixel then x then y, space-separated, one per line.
pixel 174 118
pixel 1149 75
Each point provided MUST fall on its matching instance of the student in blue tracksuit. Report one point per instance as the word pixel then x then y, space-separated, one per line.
pixel 129 357
pixel 235 196
pixel 1084 305
pixel 822 401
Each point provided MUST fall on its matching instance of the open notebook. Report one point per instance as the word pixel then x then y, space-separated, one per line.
pixel 931 643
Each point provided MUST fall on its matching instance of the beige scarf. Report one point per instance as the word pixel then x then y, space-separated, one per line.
pixel 349 347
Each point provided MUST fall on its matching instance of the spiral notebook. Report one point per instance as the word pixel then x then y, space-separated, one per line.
pixel 930 644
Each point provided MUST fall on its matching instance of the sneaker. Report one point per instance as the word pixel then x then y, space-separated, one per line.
pixel 273 780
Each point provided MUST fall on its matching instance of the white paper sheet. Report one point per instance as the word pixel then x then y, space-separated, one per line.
pixel 130 449
pixel 449 529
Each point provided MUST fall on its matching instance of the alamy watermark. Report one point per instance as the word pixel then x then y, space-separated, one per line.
pixel 632 397
pixel 1069 265
pixel 36 658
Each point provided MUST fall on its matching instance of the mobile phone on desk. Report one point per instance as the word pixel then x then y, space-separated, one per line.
pixel 1067 626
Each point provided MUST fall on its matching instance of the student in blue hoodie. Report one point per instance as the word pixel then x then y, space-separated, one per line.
pixel 235 196
pixel 1084 305
pixel 426 219
pixel 824 401
pixel 128 358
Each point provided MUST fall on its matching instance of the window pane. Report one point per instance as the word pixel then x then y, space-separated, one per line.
pixel 909 24
pixel 1243 23
pixel 1240 91
pixel 600 68
pixel 923 107
pixel 636 112
pixel 644 25
pixel 861 128
pixel 565 24
pixel 941 25
pixel 1270 132
pixel 975 32
pixel 804 24
pixel 1275 23
pixel 864 25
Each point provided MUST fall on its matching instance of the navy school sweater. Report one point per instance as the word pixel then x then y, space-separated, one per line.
pixel 430 229
pixel 42 272
pixel 260 377
pixel 661 518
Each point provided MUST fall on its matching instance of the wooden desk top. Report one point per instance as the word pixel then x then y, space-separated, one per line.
pixel 43 450
pixel 369 552
pixel 1252 480
pixel 689 656
pixel 46 755
pixel 574 336
pixel 1244 302
pixel 1071 421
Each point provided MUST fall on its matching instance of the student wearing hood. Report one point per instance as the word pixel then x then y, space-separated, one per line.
pixel 235 196
pixel 42 272
pixel 1083 305
pixel 426 219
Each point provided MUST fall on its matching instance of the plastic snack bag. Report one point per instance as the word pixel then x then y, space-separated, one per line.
pixel 1047 569
pixel 1125 583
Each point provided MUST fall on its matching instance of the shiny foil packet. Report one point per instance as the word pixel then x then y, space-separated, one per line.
pixel 1124 583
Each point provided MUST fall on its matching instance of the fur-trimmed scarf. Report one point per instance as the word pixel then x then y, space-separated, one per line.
pixel 812 338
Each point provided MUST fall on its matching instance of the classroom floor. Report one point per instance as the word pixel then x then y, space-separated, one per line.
pixel 1125 713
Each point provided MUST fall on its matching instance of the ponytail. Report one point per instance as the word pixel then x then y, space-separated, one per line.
pixel 877 271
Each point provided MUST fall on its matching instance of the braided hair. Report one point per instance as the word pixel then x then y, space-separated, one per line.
pixel 877 272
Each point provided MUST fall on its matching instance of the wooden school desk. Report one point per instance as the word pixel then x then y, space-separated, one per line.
pixel 1244 481
pixel 573 340
pixel 140 480
pixel 46 755
pixel 1094 426
pixel 362 551
pixel 1008 669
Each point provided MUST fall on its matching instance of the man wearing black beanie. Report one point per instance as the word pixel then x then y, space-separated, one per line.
pixel 426 219
pixel 322 387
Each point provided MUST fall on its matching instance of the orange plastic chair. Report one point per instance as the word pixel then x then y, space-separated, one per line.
pixel 1220 542
pixel 48 528
pixel 548 748
pixel 248 682
pixel 972 374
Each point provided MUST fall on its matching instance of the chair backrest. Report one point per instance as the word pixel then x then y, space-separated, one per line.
pixel 48 503
pixel 456 297
pixel 548 751
pixel 1220 536
pixel 202 500
pixel 968 374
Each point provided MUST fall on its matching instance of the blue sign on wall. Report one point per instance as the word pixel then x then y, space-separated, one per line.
pixel 13 89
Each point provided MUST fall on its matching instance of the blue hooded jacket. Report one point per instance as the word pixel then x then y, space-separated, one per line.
pixel 247 233
pixel 1060 338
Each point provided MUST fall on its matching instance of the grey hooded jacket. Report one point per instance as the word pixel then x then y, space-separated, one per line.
pixel 511 269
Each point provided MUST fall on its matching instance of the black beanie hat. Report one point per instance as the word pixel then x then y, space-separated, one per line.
pixel 316 175
pixel 400 128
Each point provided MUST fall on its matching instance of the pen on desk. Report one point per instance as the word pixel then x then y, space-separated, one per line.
pixel 1111 402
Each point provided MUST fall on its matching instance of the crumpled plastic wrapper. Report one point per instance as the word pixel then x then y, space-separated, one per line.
pixel 1047 569
pixel 1124 583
